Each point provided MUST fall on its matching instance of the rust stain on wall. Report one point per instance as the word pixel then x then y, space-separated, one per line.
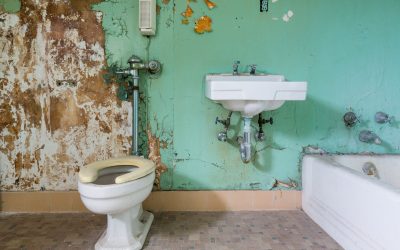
pixel 48 131
pixel 65 113
pixel 154 155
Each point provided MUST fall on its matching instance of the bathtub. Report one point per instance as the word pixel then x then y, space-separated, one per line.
pixel 358 210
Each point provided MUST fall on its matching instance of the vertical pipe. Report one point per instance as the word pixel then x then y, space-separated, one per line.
pixel 135 111
pixel 245 145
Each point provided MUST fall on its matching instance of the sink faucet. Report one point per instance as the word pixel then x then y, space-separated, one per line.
pixel 253 69
pixel 235 67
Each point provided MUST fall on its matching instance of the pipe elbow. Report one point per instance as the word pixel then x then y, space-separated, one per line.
pixel 245 152
pixel 245 143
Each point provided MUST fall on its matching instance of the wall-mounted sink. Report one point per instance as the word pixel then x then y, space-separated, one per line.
pixel 253 94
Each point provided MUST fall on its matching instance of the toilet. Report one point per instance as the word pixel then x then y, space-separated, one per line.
pixel 117 187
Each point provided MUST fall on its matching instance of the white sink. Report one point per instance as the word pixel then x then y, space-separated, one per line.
pixel 253 94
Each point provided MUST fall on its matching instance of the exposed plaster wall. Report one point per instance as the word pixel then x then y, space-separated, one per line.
pixel 49 130
pixel 347 51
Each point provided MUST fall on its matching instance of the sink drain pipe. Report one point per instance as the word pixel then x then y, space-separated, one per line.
pixel 245 141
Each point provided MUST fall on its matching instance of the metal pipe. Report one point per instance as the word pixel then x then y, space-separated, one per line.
pixel 135 64
pixel 135 111
pixel 223 135
pixel 245 143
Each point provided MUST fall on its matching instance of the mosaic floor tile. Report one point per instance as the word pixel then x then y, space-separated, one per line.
pixel 171 230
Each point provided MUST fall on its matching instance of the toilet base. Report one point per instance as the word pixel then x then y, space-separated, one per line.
pixel 126 231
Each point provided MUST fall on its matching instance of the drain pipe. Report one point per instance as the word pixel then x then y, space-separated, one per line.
pixel 245 141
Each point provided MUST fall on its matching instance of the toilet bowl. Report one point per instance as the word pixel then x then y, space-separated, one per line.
pixel 117 187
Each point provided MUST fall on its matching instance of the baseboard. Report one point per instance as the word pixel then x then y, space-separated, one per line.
pixel 159 201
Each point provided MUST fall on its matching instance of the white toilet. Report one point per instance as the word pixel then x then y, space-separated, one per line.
pixel 117 187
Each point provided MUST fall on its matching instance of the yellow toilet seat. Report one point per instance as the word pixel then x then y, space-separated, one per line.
pixel 90 172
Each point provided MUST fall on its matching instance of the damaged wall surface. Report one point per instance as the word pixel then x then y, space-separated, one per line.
pixel 347 51
pixel 56 112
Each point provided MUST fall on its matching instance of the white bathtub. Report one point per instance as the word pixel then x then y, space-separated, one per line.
pixel 357 210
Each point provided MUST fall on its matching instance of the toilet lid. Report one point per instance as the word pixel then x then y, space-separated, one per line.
pixel 90 172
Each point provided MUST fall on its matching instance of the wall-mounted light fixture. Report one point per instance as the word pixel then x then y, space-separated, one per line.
pixel 147 17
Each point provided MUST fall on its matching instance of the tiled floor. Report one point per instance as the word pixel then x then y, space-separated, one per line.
pixel 233 230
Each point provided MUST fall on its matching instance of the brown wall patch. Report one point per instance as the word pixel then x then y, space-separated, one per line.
pixel 49 130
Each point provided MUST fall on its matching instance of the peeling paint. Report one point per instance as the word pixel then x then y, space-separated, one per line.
pixel 203 24
pixel 48 130
pixel 310 149
pixel 154 144
pixel 56 149
pixel 289 185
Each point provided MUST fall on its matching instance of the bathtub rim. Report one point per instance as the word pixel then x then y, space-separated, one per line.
pixel 376 182
pixel 348 234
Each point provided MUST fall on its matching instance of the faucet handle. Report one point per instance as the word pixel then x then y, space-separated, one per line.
pixel 350 119
pixel 381 117
pixel 217 120
pixel 253 68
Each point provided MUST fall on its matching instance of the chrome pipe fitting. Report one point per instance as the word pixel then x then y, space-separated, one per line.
pixel 245 141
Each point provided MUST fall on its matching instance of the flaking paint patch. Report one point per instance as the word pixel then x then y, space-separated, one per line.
pixel 154 155
pixel 47 131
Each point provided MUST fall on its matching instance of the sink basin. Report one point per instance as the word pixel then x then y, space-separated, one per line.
pixel 253 94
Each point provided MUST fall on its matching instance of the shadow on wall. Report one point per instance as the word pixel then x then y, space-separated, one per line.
pixel 301 119
pixel 306 122
pixel 202 201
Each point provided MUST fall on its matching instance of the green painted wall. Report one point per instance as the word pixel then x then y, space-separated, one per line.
pixel 348 51
pixel 10 6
